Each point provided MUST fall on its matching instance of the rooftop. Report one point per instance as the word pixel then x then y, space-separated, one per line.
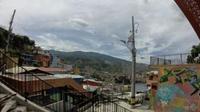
pixel 68 76
pixel 52 69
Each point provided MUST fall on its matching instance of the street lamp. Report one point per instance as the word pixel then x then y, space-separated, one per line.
pixel 130 44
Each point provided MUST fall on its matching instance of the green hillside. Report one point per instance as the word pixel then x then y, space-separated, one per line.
pixel 18 43
pixel 99 64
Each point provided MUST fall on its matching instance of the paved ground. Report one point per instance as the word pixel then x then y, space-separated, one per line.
pixel 119 107
pixel 137 108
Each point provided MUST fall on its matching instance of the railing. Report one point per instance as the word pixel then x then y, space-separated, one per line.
pixel 78 101
pixel 94 102
pixel 27 84
pixel 36 89
pixel 175 59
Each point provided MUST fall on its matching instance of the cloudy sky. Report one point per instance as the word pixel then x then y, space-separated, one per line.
pixel 99 25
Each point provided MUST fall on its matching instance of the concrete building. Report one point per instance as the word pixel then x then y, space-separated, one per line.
pixel 91 85
pixel 56 61
pixel 27 59
pixel 78 78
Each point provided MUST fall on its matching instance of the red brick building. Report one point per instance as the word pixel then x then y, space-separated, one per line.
pixel 42 57
pixel 43 60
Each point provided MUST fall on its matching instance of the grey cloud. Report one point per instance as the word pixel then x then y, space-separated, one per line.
pixel 93 25
pixel 79 22
pixel 141 50
pixel 147 43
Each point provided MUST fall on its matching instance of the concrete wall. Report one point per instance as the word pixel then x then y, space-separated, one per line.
pixel 21 100
pixel 178 90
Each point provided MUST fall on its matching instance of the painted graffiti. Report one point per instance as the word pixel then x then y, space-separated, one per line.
pixel 178 91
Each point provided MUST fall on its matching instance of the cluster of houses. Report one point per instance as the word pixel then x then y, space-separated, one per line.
pixel 58 77
pixel 39 57
pixel 48 66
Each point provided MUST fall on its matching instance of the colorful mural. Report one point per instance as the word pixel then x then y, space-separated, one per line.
pixel 178 91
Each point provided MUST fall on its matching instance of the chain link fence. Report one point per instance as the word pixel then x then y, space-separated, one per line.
pixel 175 59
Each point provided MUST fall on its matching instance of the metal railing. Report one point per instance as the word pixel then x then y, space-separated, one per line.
pixel 27 84
pixel 94 102
pixel 32 87
pixel 175 59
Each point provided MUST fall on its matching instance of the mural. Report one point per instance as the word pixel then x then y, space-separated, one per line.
pixel 178 91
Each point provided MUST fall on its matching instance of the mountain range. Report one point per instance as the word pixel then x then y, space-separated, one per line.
pixel 96 63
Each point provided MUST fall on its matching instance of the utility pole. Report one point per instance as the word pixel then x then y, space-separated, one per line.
pixel 10 31
pixel 133 52
pixel 131 40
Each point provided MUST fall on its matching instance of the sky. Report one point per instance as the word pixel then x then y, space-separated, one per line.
pixel 99 25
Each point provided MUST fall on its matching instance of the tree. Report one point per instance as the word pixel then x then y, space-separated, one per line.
pixel 194 57
pixel 17 43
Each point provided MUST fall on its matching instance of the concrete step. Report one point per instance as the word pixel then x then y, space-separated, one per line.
pixel 5 97
pixel 2 95
pixel 20 109
pixel 11 104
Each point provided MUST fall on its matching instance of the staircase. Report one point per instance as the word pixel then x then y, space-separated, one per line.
pixel 29 86
pixel 26 92
pixel 36 91
pixel 8 103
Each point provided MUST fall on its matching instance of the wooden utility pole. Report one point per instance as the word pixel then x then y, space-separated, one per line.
pixel 10 31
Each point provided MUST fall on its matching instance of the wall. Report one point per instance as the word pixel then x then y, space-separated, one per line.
pixel 179 89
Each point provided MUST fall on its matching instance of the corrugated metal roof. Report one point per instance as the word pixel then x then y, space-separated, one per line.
pixel 51 80
pixel 17 69
pixel 50 69
pixel 68 76
pixel 92 80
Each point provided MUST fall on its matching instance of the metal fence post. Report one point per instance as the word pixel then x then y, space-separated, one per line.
pixel 157 61
pixel 93 102
pixel 115 105
pixel 164 61
pixel 151 59
pixel 25 85
pixel 181 56
pixel 63 97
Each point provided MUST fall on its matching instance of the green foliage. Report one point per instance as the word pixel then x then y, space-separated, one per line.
pixel 17 44
pixel 3 37
pixel 167 73
pixel 100 66
pixel 194 54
